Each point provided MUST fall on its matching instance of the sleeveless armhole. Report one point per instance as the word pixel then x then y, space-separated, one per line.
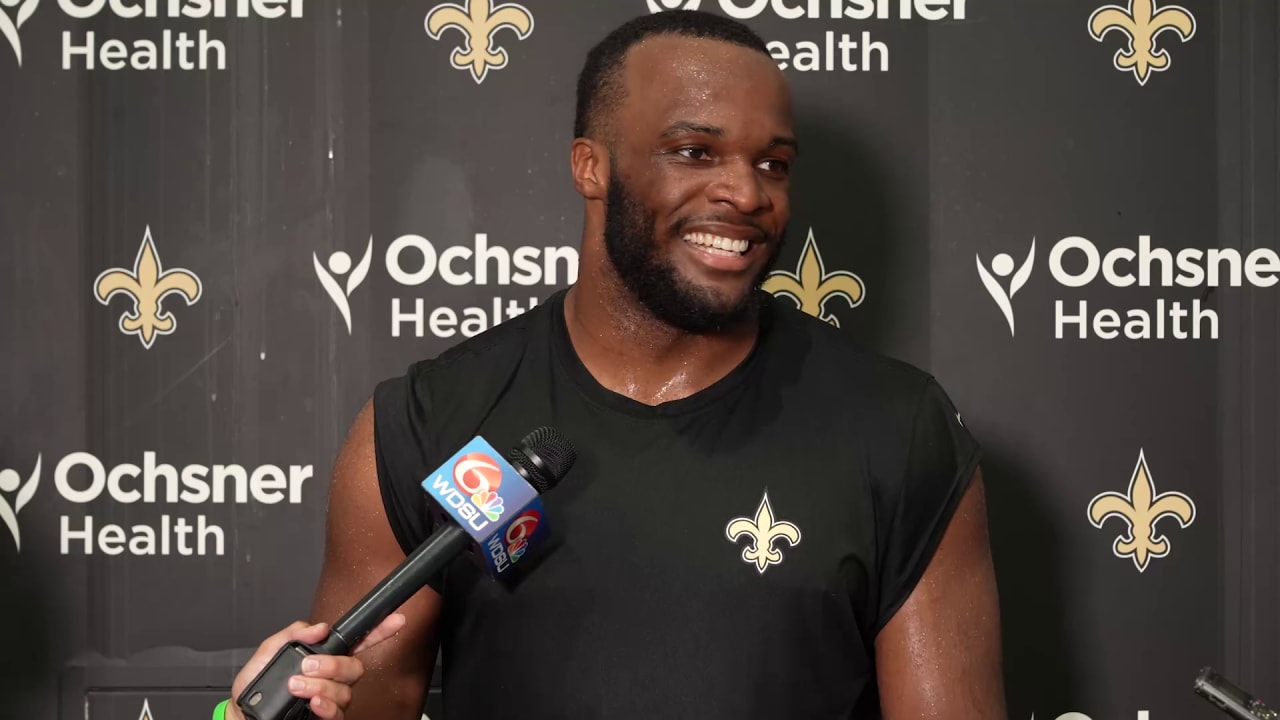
pixel 422 417
pixel 401 448
pixel 940 461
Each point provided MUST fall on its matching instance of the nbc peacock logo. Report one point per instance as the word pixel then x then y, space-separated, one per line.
pixel 478 476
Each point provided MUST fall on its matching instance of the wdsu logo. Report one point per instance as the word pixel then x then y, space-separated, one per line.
pixel 81 478
pixel 476 477
pixel 1077 262
pixel 412 260
pixel 834 50
pixel 173 48
pixel 517 536
pixel 491 502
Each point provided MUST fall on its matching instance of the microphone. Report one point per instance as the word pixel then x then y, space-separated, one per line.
pixel 1231 699
pixel 492 503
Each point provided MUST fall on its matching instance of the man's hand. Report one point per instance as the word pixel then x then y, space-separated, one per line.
pixel 326 679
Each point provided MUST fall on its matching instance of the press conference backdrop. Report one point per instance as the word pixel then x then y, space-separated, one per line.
pixel 224 221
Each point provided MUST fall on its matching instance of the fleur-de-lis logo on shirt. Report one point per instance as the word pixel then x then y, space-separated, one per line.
pixel 478 20
pixel 811 286
pixel 1141 22
pixel 147 284
pixel 763 531
pixel 1141 509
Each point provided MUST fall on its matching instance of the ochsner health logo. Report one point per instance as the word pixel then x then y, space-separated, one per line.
pixel 1002 265
pixel 83 479
pixel 840 47
pixel 340 265
pixel 660 5
pixel 182 42
pixel 9 27
pixel 11 481
pixel 413 260
pixel 1077 262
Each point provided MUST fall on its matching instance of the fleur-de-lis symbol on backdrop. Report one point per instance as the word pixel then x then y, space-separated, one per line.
pixel 10 481
pixel 148 284
pixel 1141 22
pixel 478 21
pixel 763 531
pixel 9 28
pixel 811 286
pixel 146 711
pixel 1141 509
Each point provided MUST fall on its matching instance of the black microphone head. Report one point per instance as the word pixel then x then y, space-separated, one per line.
pixel 544 457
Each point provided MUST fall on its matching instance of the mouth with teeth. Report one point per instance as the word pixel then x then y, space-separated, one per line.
pixel 717 245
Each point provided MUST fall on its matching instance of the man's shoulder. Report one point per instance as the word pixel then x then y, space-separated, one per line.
pixel 469 372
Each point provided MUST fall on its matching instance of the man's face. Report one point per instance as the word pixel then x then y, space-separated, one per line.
pixel 699 178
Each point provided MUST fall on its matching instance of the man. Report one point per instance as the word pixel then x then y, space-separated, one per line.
pixel 765 521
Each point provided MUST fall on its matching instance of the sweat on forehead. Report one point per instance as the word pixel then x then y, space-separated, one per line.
pixel 602 83
pixel 670 78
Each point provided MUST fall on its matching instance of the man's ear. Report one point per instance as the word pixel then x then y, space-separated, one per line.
pixel 589 161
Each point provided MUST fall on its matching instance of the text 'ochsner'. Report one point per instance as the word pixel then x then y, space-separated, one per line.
pixel 1076 262
pixel 836 49
pixel 171 48
pixel 82 478
pixel 413 260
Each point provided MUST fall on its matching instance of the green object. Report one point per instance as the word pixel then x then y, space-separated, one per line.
pixel 220 711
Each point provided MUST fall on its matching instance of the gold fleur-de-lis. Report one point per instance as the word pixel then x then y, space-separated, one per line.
pixel 147 284
pixel 811 286
pixel 763 531
pixel 1141 509
pixel 478 20
pixel 1141 22
pixel 146 711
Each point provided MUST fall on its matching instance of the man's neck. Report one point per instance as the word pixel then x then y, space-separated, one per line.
pixel 633 353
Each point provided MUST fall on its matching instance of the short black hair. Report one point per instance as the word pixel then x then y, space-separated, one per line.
pixel 600 84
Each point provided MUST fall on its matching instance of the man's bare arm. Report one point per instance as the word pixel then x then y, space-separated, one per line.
pixel 939 656
pixel 360 550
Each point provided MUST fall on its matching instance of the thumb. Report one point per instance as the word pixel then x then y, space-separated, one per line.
pixel 385 630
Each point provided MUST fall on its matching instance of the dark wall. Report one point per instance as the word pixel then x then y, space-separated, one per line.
pixel 343 131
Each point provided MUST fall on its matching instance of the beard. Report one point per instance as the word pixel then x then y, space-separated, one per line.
pixel 630 238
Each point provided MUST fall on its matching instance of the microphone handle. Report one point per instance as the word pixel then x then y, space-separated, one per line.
pixel 409 576
pixel 268 697
pixel 1231 698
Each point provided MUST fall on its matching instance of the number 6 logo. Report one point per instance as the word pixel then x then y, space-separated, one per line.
pixel 518 533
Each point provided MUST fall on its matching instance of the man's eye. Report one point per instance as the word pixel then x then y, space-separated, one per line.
pixel 693 153
pixel 778 166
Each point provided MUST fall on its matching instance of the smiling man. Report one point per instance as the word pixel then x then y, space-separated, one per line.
pixel 765 520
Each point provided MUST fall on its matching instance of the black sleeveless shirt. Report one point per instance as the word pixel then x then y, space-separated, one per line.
pixel 729 555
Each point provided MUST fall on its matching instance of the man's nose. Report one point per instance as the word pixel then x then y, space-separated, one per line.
pixel 740 185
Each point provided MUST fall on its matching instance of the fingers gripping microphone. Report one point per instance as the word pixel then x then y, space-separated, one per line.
pixel 494 504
